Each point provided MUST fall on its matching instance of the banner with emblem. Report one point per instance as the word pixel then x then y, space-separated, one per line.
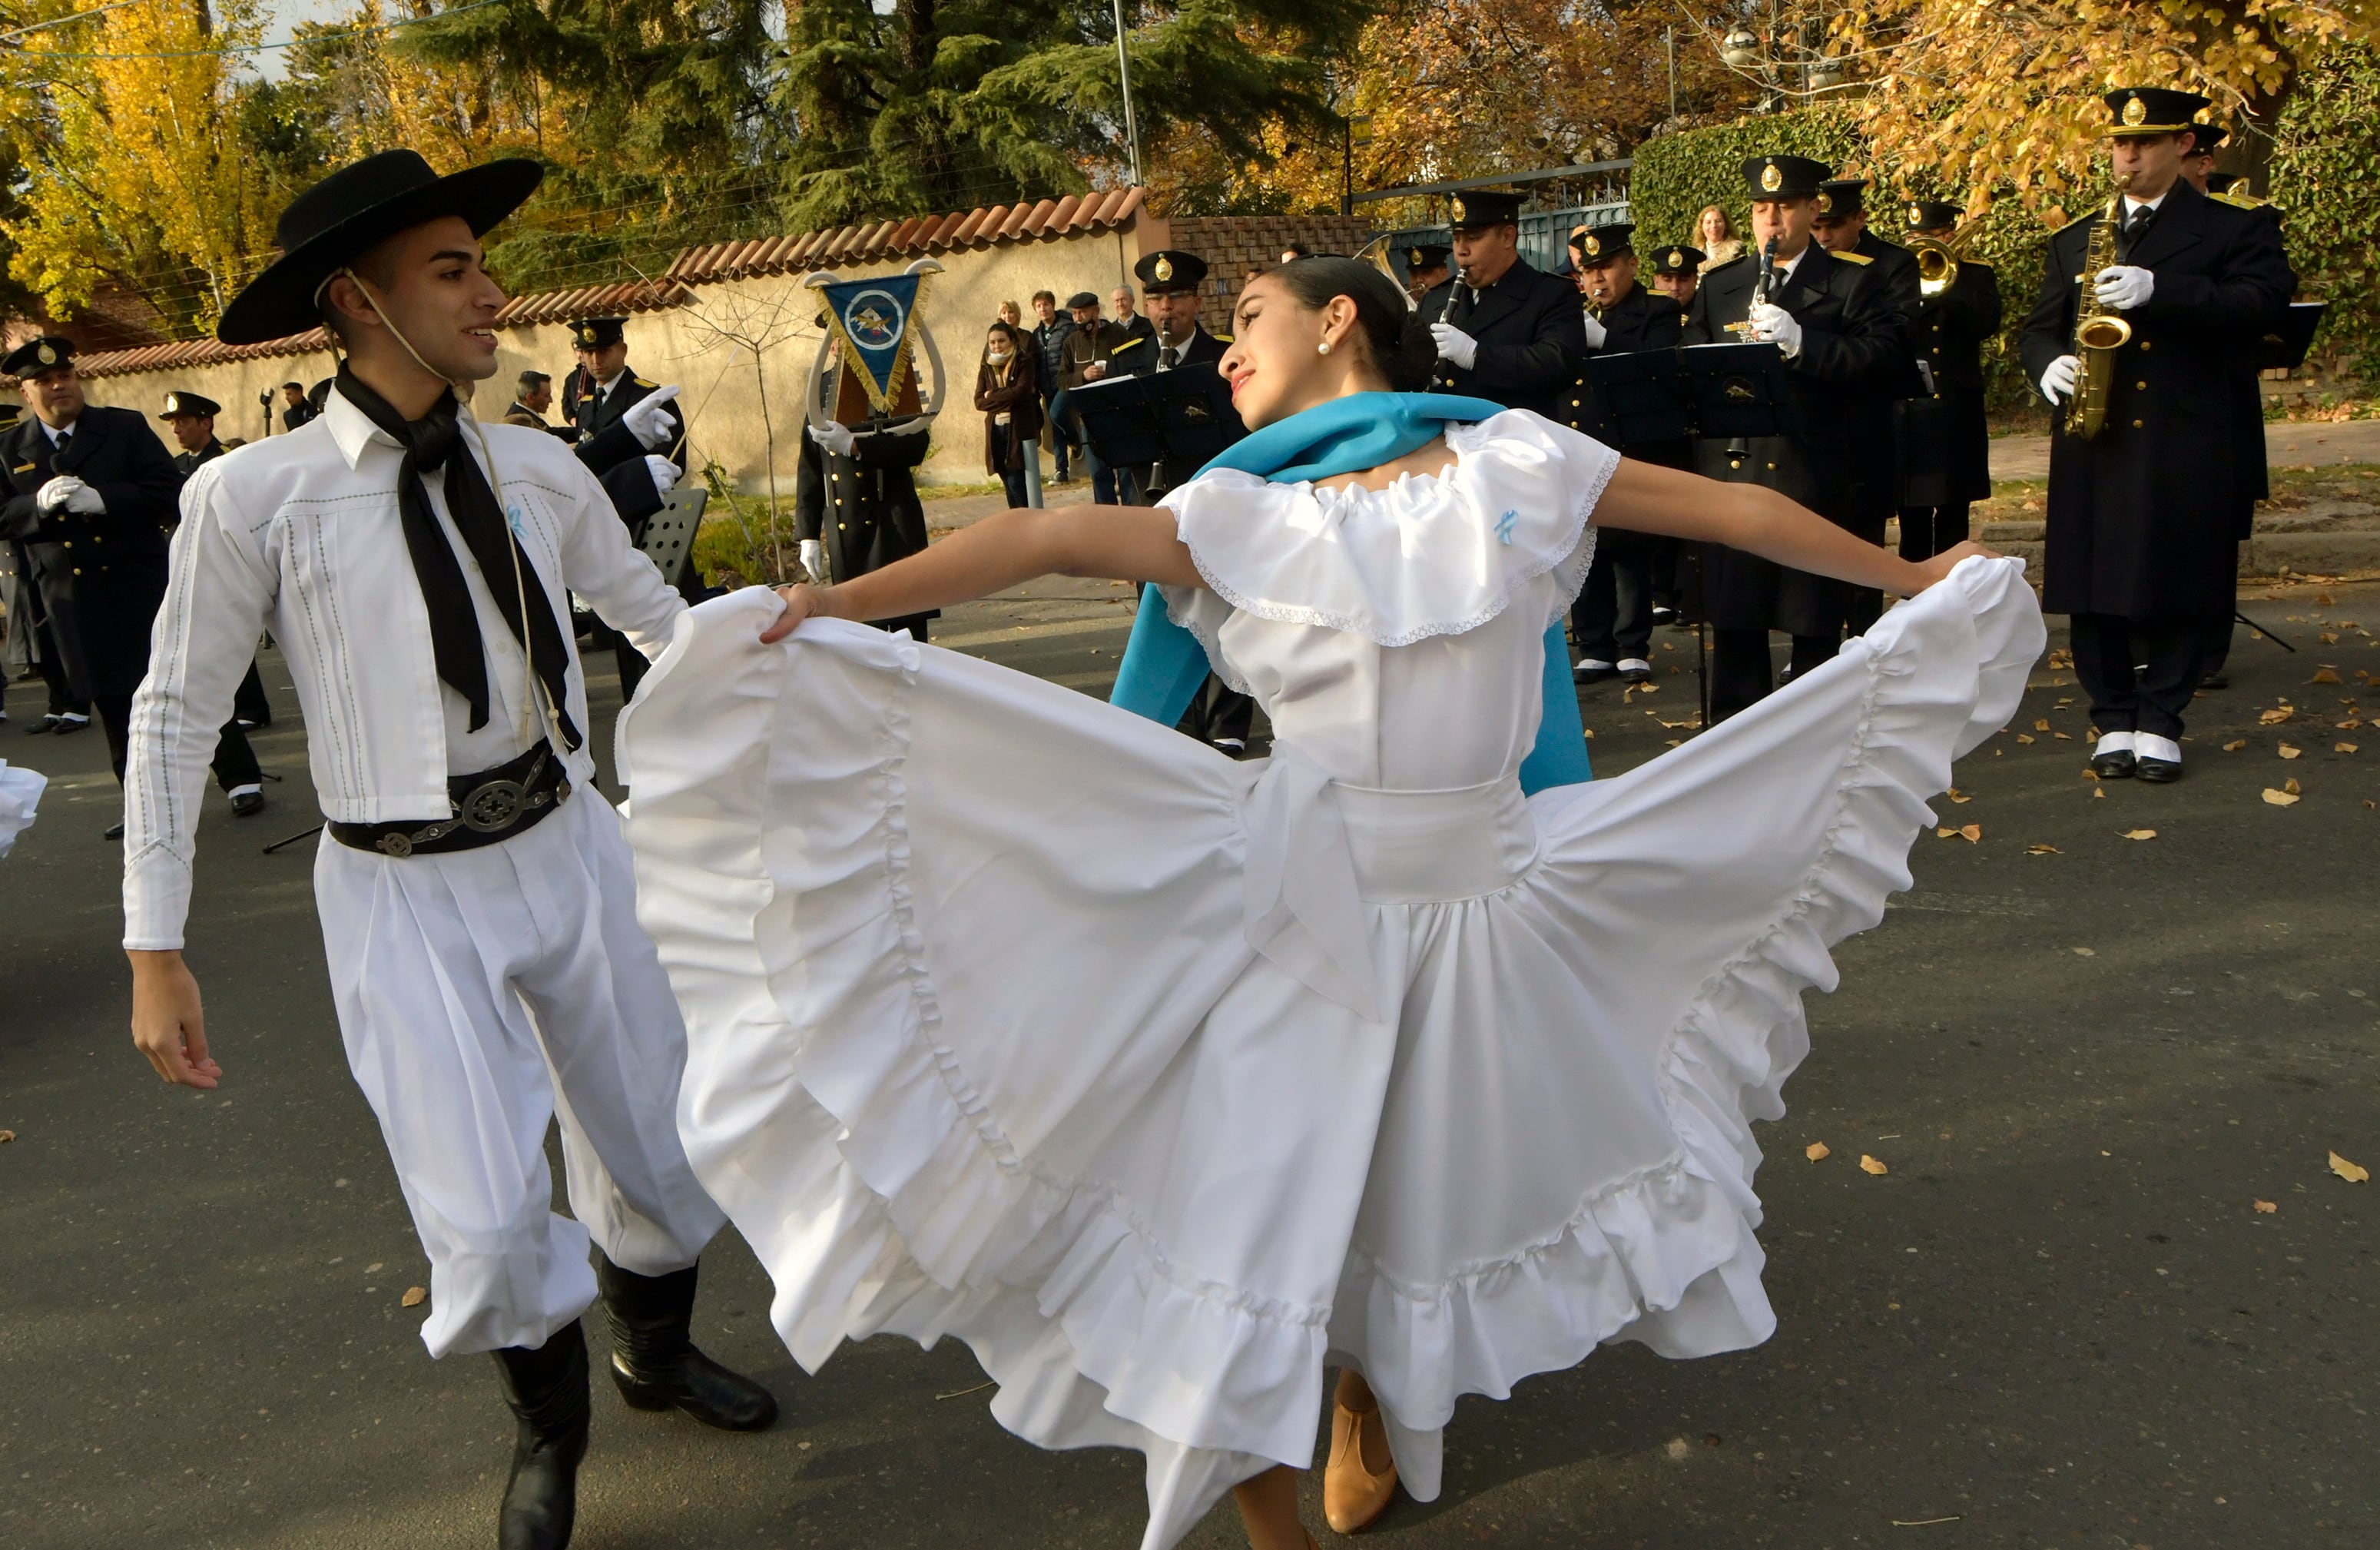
pixel 870 321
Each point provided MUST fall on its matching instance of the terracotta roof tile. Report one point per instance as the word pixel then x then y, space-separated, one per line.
pixel 869 241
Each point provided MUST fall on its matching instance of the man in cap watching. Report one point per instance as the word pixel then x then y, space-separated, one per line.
pixel 1084 358
pixel 630 434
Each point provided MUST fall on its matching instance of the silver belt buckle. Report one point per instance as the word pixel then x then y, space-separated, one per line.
pixel 495 806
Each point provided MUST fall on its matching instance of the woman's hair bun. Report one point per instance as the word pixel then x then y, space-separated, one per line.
pixel 1398 340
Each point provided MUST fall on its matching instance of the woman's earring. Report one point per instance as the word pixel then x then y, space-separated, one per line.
pixel 1323 348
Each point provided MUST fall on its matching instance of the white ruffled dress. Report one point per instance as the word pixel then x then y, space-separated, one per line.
pixel 21 802
pixel 1164 1080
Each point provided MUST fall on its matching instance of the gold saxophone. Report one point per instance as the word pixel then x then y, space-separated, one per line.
pixel 2097 336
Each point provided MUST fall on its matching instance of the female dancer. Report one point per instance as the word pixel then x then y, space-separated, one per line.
pixel 1163 1081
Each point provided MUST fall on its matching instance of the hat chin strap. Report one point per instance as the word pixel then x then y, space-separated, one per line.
pixel 530 688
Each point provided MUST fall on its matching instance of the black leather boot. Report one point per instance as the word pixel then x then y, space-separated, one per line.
pixel 547 1391
pixel 653 1359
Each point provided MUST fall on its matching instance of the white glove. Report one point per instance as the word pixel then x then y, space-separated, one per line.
pixel 52 495
pixel 1454 344
pixel 1772 324
pixel 2058 378
pixel 85 499
pixel 664 474
pixel 2124 286
pixel 650 419
pixel 1596 332
pixel 834 437
pixel 814 559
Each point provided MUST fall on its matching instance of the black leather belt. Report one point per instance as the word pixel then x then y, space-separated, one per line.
pixel 489 808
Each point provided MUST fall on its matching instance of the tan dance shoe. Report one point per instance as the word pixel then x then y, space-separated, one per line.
pixel 1352 1494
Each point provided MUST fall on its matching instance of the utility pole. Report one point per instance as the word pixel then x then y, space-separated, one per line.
pixel 1124 73
pixel 1669 46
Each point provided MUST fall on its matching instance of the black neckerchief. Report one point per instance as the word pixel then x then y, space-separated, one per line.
pixel 430 443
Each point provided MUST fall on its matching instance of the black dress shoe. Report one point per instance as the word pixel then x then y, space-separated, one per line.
pixel 2157 772
pixel 35 728
pixel 113 831
pixel 653 1358
pixel 2120 765
pixel 1593 672
pixel 67 723
pixel 546 1390
pixel 2217 679
pixel 247 804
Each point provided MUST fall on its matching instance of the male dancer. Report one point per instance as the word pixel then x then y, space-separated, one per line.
pixel 477 902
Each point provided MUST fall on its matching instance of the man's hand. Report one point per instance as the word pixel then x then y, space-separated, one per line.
pixel 1095 370
pixel 1596 332
pixel 664 474
pixel 833 436
pixel 814 559
pixel 54 495
pixel 1772 324
pixel 2058 378
pixel 167 1022
pixel 2123 287
pixel 650 419
pixel 1454 344
pixel 802 601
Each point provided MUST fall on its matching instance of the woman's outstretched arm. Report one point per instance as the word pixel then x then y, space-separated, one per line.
pixel 1647 498
pixel 1117 542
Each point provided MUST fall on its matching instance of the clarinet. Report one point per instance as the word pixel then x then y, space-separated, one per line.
pixel 1738 447
pixel 1445 313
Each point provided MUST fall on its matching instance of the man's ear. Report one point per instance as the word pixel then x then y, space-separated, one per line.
pixel 345 299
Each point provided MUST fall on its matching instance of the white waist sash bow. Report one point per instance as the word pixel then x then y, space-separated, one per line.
pixel 1319 851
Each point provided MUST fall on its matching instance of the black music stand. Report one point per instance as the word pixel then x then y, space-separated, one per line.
pixel 2284 346
pixel 1733 391
pixel 1174 417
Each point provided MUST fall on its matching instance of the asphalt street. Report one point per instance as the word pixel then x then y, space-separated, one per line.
pixel 2060 1319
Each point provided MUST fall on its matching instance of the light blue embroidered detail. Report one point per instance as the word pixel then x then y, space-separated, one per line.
pixel 1505 525
pixel 513 516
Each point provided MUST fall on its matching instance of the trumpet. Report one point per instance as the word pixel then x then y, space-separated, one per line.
pixel 2097 336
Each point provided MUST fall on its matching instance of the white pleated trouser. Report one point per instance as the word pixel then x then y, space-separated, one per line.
pixel 480 993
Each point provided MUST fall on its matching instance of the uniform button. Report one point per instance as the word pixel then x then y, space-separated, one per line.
pixel 1735 462
pixel 67 544
pixel 2136 425
pixel 1772 467
pixel 2144 344
pixel 841 526
pixel 2141 385
pixel 77 571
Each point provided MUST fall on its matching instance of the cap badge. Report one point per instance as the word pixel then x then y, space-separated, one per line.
pixel 1826 201
pixel 1413 257
pixel 1592 245
pixel 1461 210
pixel 1771 178
pixel 173 403
pixel 2136 110
pixel 587 336
pixel 1676 258
pixel 46 356
pixel 1916 216
pixel 1164 269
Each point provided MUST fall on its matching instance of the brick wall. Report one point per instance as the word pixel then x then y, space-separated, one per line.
pixel 1233 245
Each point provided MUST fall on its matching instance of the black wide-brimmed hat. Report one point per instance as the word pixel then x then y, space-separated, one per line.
pixel 353 210
pixel 178 404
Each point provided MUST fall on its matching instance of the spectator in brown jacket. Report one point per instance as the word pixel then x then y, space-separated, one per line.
pixel 1084 358
pixel 1007 388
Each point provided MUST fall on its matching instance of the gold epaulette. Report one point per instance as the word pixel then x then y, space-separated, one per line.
pixel 1863 260
pixel 2242 202
pixel 1128 344
pixel 642 383
pixel 1221 338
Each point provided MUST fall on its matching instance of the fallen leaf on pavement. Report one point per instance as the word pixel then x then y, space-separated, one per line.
pixel 2265 1208
pixel 2293 788
pixel 2235 745
pixel 2042 726
pixel 2290 750
pixel 1958 796
pixel 2342 748
pixel 1945 834
pixel 2352 1172
pixel 2325 676
pixel 1817 1152
pixel 7 1136
pixel 2274 719
pixel 2280 799
pixel 1971 832
pixel 414 1297
pixel 1869 1165
pixel 2024 737
pixel 2140 834
pixel 2087 952
pixel 2062 736
pixel 2098 791
pixel 2043 850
